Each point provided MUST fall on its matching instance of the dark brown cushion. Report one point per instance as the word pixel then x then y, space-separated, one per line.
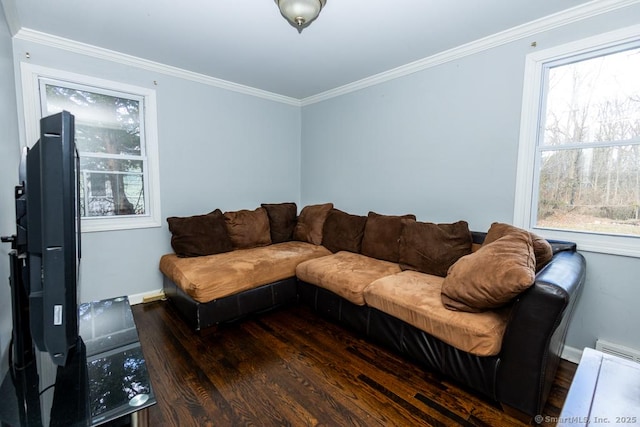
pixel 382 236
pixel 282 220
pixel 433 248
pixel 492 276
pixel 541 248
pixel 310 223
pixel 343 231
pixel 199 234
pixel 248 229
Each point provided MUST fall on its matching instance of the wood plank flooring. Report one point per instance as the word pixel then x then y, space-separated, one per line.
pixel 292 368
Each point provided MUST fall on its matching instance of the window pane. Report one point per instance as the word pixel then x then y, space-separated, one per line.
pixel 111 187
pixel 109 193
pixel 594 100
pixel 594 190
pixel 107 124
pixel 104 123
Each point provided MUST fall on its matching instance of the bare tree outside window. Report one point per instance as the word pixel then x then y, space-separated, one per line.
pixel 589 148
pixel 109 138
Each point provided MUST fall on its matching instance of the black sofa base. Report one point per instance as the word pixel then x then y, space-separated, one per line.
pixel 472 371
pixel 201 316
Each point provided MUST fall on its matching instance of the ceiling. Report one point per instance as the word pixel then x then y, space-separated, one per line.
pixel 248 42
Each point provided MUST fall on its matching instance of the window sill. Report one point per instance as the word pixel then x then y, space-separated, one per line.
pixel 595 242
pixel 91 225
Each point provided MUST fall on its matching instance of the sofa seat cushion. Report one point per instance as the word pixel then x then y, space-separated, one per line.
pixel 215 276
pixel 414 297
pixel 345 273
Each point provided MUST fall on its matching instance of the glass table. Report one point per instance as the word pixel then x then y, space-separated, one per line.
pixel 105 381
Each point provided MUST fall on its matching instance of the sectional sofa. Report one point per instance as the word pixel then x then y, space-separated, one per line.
pixel 487 309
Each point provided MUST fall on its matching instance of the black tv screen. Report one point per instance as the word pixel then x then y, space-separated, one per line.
pixel 53 237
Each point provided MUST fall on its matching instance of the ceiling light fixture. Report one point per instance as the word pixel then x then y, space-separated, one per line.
pixel 300 13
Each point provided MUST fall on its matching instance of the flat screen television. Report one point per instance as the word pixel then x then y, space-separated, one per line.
pixel 48 239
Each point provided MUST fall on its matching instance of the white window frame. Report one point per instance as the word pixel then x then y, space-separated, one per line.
pixel 530 126
pixel 31 76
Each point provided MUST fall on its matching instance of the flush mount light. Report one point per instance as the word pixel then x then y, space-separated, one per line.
pixel 300 13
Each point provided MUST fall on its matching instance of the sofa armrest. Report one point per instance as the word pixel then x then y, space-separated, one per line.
pixel 535 335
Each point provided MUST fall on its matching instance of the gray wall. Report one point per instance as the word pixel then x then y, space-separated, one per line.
pixel 217 149
pixel 432 143
pixel 9 158
pixel 442 143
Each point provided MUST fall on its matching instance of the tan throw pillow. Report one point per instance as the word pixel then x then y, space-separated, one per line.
pixel 311 222
pixel 248 229
pixel 541 247
pixel 199 235
pixel 433 248
pixel 282 220
pixel 381 238
pixel 492 276
pixel 343 231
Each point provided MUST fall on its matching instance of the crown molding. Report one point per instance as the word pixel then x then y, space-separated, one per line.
pixel 575 14
pixel 547 23
pixel 50 40
pixel 11 15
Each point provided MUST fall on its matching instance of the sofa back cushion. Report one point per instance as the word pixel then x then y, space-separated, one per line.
pixel 311 222
pixel 433 248
pixel 381 238
pixel 492 276
pixel 199 235
pixel 282 220
pixel 248 229
pixel 541 248
pixel 343 231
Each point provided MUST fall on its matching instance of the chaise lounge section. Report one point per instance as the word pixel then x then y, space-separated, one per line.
pixel 220 288
pixel 489 310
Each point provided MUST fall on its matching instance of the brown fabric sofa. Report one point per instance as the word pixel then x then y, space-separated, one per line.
pixel 489 310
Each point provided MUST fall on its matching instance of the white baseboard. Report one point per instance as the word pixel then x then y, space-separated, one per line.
pixel 571 354
pixel 140 298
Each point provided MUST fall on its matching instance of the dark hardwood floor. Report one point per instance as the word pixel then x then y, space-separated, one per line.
pixel 292 368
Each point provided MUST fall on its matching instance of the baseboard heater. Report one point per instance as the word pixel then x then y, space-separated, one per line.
pixel 618 350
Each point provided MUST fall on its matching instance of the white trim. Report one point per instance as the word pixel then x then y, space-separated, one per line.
pixel 528 126
pixel 571 354
pixel 600 41
pixel 577 13
pixel 531 104
pixel 139 298
pixel 50 40
pixel 593 242
pixel 30 75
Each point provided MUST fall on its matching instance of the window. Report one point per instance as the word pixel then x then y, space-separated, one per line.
pixel 579 158
pixel 115 138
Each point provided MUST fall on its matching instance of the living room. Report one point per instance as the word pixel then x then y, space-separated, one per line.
pixel 440 142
